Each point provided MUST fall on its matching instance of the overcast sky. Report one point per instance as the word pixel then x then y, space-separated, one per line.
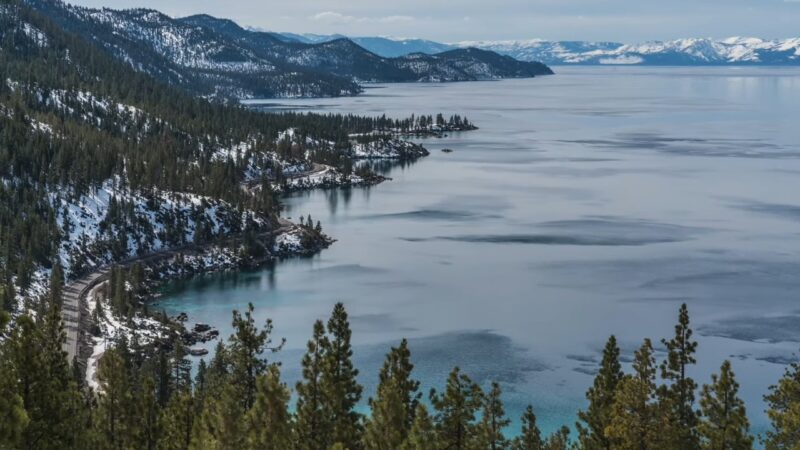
pixel 456 20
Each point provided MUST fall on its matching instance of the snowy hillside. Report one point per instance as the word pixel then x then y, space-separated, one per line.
pixel 100 163
pixel 214 57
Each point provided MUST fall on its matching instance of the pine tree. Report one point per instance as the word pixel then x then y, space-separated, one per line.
pixel 56 287
pixel 397 399
pixel 163 374
pixel 723 424
pixel 678 394
pixel 221 424
pixel 340 387
pixel 558 440
pixel 783 411
pixel 49 393
pixel 13 417
pixel 219 369
pixel 200 386
pixel 115 405
pixel 597 417
pixel 247 344
pixel 385 428
pixel 177 421
pixel 180 375
pixel 634 423
pixel 531 437
pixel 268 425
pixel 146 419
pixel 314 425
pixel 455 411
pixel 8 300
pixel 493 421
pixel 422 435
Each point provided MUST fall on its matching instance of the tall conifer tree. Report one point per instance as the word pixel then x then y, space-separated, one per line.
pixel 783 410
pixel 723 424
pixel 221 424
pixel 115 406
pixel 493 420
pixel 340 386
pixel 530 437
pixel 385 429
pixel 268 424
pixel 247 344
pixel 422 435
pixel 634 423
pixel 455 411
pixel 597 417
pixel 147 415
pixel 49 392
pixel 177 421
pixel 13 417
pixel 396 401
pixel 314 424
pixel 678 394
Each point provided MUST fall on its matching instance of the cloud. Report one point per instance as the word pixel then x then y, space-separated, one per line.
pixel 395 19
pixel 332 17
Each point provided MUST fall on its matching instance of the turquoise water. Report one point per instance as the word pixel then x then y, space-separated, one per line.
pixel 589 203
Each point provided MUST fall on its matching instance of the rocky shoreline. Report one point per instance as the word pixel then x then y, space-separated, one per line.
pixel 100 326
pixel 286 240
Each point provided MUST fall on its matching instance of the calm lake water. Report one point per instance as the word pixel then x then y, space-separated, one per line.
pixel 589 203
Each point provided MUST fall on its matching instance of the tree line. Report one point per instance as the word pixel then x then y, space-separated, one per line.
pixel 148 399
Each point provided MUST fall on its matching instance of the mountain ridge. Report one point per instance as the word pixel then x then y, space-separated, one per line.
pixel 688 51
pixel 216 58
pixel 735 50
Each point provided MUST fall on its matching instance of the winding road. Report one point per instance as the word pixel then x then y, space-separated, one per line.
pixel 74 310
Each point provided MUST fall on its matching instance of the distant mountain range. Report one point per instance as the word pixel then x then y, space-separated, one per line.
pixel 681 52
pixel 215 57
pixel 382 46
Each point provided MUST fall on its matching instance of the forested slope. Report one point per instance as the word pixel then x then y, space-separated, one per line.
pixel 217 58
pixel 99 161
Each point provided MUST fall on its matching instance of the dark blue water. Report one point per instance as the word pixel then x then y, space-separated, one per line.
pixel 589 203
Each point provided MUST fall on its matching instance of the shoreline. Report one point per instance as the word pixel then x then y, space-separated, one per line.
pixel 286 240
pixel 183 263
pixel 163 267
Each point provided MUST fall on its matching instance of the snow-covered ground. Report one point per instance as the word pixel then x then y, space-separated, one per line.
pixel 88 230
pixel 142 328
pixel 388 149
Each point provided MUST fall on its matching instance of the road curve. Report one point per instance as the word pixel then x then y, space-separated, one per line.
pixel 74 310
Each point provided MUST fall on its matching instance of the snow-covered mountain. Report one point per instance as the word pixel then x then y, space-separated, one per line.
pixel 215 57
pixel 682 52
pixel 383 46
pixel 695 51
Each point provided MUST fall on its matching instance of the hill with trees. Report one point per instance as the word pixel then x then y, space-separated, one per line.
pixel 217 58
pixel 100 162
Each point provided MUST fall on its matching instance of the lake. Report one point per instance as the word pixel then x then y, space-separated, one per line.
pixel 588 203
